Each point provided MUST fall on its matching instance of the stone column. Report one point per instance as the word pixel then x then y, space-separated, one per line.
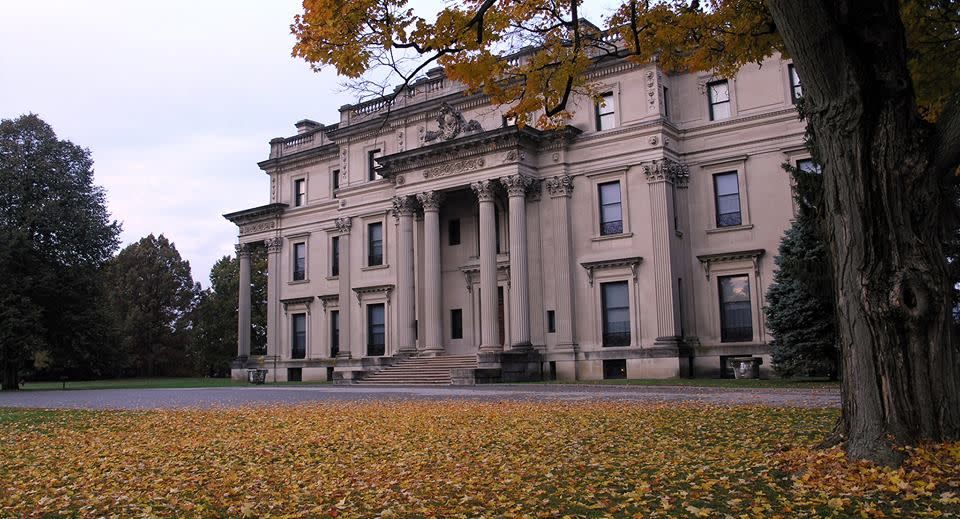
pixel 403 209
pixel 432 283
pixel 660 177
pixel 345 300
pixel 516 186
pixel 489 331
pixel 274 245
pixel 561 189
pixel 243 313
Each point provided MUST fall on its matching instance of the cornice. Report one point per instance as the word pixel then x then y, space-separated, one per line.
pixel 633 262
pixel 256 214
pixel 373 289
pixel 706 260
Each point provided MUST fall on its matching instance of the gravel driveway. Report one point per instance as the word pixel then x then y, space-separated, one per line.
pixel 238 396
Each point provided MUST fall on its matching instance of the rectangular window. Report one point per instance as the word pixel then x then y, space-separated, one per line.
pixel 551 321
pixel 736 322
pixel 375 244
pixel 611 211
pixel 334 332
pixel 376 330
pixel 719 94
pixel 335 256
pixel 373 168
pixel 299 192
pixel 294 374
pixel 666 103
pixel 453 232
pixel 727 189
pixel 456 323
pixel 298 340
pixel 796 89
pixel 335 178
pixel 615 369
pixel 299 261
pixel 606 111
pixel 615 299
pixel 809 166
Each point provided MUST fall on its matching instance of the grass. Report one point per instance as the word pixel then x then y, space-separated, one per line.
pixel 148 383
pixel 455 459
pixel 812 383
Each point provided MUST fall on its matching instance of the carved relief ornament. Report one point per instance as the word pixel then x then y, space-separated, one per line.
pixel 274 245
pixel 485 190
pixel 430 200
pixel 403 206
pixel 243 250
pixel 343 223
pixel 560 186
pixel 516 185
pixel 450 124
pixel 454 168
pixel 258 227
pixel 667 170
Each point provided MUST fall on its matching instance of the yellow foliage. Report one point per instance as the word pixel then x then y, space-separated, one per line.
pixel 455 459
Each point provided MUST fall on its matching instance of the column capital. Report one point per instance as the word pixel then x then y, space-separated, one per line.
pixel 484 189
pixel 430 200
pixel 404 205
pixel 343 223
pixel 243 250
pixel 273 245
pixel 560 186
pixel 666 170
pixel 517 185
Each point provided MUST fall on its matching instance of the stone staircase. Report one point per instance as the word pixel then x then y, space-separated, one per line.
pixel 420 371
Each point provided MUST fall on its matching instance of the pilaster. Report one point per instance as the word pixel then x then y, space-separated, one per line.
pixel 560 189
pixel 274 246
pixel 347 345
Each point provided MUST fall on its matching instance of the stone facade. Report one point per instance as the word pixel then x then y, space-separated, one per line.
pixel 639 237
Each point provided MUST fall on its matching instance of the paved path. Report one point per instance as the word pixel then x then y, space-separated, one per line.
pixel 238 396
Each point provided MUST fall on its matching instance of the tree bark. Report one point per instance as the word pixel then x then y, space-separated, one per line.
pixel 885 207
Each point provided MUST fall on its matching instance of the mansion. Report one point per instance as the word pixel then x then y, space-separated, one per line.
pixel 435 234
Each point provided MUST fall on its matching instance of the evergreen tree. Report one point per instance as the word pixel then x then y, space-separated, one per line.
pixel 55 235
pixel 800 311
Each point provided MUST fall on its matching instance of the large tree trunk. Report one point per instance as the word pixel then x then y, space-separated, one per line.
pixel 885 206
pixel 9 378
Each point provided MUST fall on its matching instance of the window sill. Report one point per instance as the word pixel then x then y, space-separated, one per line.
pixel 299 282
pixel 375 267
pixel 612 236
pixel 333 278
pixel 731 228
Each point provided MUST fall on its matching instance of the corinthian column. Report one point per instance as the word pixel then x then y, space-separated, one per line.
pixel 660 177
pixel 403 209
pixel 489 322
pixel 561 189
pixel 243 313
pixel 519 281
pixel 343 226
pixel 273 294
pixel 432 287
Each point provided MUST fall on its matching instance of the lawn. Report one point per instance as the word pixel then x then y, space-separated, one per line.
pixel 147 383
pixel 455 459
pixel 773 383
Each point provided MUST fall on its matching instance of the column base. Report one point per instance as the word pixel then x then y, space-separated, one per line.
pixel 435 351
pixel 523 346
pixel 345 355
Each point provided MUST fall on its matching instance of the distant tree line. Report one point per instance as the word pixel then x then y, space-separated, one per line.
pixel 70 307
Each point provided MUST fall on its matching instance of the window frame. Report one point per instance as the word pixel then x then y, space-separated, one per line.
pixel 300 192
pixel 716 200
pixel 294 335
pixel 607 338
pixel 724 333
pixel 369 244
pixel 598 114
pixel 373 170
pixel 794 85
pixel 456 323
pixel 600 206
pixel 370 330
pixel 711 103
pixel 300 274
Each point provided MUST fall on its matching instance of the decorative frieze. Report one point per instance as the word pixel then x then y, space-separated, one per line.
pixel 343 223
pixel 667 170
pixel 274 245
pixel 344 162
pixel 454 168
pixel 484 189
pixel 430 200
pixel 251 228
pixel 516 185
pixel 514 156
pixel 561 185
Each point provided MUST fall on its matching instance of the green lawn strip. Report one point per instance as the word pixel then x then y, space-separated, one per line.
pixel 149 383
pixel 710 382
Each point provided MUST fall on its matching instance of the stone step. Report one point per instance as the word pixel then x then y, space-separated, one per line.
pixel 421 371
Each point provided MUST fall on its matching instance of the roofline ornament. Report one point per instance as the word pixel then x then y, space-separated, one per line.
pixel 451 124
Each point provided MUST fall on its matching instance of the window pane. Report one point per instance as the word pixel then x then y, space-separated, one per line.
pixel 736 321
pixel 610 192
pixel 616 294
pixel 299 342
pixel 728 204
pixel 335 256
pixel 721 111
pixel 334 332
pixel 299 261
pixel 735 289
pixel 808 166
pixel 719 92
pixel 375 244
pixel 726 183
pixel 376 330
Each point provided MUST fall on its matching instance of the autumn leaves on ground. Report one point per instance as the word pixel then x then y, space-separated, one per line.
pixel 419 459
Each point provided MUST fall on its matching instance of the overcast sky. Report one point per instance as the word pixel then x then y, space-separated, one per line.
pixel 176 100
